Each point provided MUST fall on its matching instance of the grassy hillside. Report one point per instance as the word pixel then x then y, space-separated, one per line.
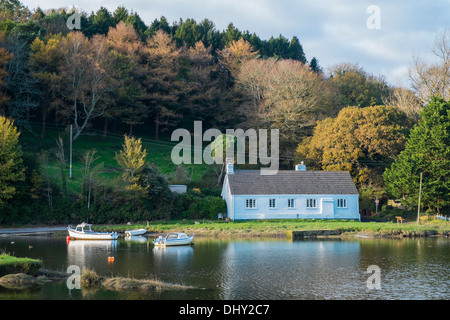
pixel 159 154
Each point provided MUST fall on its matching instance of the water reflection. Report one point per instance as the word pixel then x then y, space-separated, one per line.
pixel 140 239
pixel 86 253
pixel 296 269
pixel 252 269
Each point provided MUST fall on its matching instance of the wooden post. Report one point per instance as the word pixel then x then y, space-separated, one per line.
pixel 70 172
pixel 418 206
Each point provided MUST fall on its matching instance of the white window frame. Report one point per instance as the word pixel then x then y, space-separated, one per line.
pixel 272 203
pixel 311 203
pixel 291 203
pixel 342 203
pixel 250 203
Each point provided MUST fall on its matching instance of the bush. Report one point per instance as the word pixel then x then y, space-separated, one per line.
pixel 89 278
pixel 205 207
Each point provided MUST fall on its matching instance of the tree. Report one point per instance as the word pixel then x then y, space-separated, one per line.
pixel 132 159
pixel 358 140
pixel 162 64
pixel 433 78
pixel 45 59
pixel 11 163
pixel 5 57
pixel 236 53
pixel 356 87
pixel 14 11
pixel 22 87
pixel 101 21
pixel 427 151
pixel 314 65
pixel 285 95
pixel 204 96
pixel 127 100
pixel 405 100
pixel 85 79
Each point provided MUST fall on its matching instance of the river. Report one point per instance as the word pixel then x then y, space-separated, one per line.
pixel 251 269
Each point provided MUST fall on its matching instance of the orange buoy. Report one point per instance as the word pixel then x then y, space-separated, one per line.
pixel 110 259
pixel 67 239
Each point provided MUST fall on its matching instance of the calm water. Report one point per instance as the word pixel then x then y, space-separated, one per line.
pixel 271 269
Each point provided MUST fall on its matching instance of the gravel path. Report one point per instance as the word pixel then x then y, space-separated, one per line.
pixel 9 231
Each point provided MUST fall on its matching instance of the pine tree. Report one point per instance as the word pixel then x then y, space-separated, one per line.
pixel 428 152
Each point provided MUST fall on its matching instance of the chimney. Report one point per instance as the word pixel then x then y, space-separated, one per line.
pixel 300 167
pixel 229 166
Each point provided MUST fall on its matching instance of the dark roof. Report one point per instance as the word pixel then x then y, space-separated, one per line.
pixel 291 182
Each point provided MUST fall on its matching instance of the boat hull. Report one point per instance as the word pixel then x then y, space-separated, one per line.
pixel 139 232
pixel 174 242
pixel 93 235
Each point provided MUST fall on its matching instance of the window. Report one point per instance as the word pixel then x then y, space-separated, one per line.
pixel 250 203
pixel 291 203
pixel 342 203
pixel 272 203
pixel 311 203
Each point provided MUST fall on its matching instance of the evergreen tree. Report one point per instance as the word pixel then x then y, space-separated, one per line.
pixel 428 152
pixel 101 21
pixel 314 66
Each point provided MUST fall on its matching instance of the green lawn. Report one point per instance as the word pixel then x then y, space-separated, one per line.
pixel 10 264
pixel 158 153
pixel 280 227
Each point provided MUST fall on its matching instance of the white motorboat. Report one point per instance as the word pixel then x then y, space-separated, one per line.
pixel 136 232
pixel 84 231
pixel 174 239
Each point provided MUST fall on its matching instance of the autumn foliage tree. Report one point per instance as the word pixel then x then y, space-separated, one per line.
pixel 45 58
pixel 162 64
pixel 127 100
pixel 236 53
pixel 362 141
pixel 5 56
pixel 84 79
pixel 11 163
pixel 132 159
pixel 285 95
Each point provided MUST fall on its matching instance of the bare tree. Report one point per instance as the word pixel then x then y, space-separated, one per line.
pixel 432 78
pixel 85 79
pixel 405 100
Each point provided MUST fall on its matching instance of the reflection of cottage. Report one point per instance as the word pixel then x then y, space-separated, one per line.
pixel 178 188
pixel 290 194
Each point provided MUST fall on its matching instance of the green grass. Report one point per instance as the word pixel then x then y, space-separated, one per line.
pixel 10 264
pixel 280 227
pixel 158 153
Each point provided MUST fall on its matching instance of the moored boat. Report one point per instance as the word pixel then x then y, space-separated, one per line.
pixel 136 232
pixel 174 239
pixel 84 231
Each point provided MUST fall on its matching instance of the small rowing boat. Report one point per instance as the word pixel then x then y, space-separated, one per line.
pixel 84 231
pixel 174 239
pixel 136 232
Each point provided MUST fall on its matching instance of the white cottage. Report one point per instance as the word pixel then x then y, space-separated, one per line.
pixel 290 194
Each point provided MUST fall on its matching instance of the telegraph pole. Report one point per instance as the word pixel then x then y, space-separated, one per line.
pixel 70 172
pixel 420 192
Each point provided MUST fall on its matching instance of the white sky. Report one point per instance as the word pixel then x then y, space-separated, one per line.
pixel 331 30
